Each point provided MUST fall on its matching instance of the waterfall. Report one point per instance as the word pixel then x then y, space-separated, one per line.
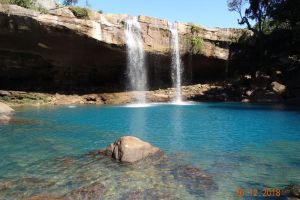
pixel 136 59
pixel 176 62
pixel 97 33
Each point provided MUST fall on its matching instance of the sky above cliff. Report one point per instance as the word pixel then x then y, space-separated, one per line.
pixel 211 13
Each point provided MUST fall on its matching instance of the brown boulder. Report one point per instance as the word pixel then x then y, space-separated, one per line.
pixel 277 87
pixel 5 109
pixel 5 112
pixel 130 149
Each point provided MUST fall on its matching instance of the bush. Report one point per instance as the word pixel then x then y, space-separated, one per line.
pixel 100 11
pixel 22 3
pixel 195 28
pixel 81 13
pixel 196 45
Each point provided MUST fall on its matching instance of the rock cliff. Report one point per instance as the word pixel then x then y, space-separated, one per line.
pixel 59 52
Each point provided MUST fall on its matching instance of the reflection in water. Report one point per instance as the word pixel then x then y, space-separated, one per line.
pixel 176 123
pixel 137 122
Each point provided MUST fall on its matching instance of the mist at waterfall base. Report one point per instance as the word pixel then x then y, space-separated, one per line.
pixel 239 145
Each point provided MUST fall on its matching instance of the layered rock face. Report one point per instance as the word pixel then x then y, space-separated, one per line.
pixel 58 52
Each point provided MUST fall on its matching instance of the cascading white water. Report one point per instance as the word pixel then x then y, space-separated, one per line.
pixel 97 33
pixel 176 62
pixel 136 59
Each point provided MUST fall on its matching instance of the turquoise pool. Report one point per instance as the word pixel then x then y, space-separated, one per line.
pixel 240 145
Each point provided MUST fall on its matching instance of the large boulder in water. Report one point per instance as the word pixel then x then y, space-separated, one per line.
pixel 130 149
pixel 5 109
pixel 5 112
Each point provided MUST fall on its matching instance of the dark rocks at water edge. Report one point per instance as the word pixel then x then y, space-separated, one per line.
pixel 130 149
pixel 292 192
pixel 5 113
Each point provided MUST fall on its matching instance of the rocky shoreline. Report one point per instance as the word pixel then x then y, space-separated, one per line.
pixel 224 92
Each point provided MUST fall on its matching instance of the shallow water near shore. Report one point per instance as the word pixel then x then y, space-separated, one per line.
pixel 239 145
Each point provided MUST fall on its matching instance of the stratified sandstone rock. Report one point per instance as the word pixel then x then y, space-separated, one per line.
pixel 130 149
pixel 58 52
pixel 63 12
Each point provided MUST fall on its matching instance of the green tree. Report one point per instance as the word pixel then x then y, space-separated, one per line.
pixel 258 11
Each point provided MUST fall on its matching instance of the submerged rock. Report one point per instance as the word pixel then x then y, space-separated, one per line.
pixel 130 149
pixel 195 180
pixel 92 192
pixel 5 185
pixel 44 197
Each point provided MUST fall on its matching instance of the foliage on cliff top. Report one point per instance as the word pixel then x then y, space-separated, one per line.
pixel 79 12
pixel 195 28
pixel 22 3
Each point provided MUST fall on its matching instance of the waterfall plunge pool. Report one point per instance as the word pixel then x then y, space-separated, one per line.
pixel 239 145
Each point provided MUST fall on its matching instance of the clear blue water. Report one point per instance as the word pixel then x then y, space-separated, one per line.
pixel 239 145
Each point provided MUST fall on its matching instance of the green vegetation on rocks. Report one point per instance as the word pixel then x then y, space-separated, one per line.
pixel 22 3
pixel 79 12
pixel 196 45
pixel 195 28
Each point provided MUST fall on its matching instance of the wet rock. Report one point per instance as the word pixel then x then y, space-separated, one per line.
pixel 130 149
pixel 5 185
pixel 92 99
pixel 195 180
pixel 150 194
pixel 265 96
pixel 5 109
pixel 5 113
pixel 277 87
pixel 94 191
pixel 292 192
pixel 160 193
pixel 44 197
pixel 4 119
pixel 245 100
pixel 133 195
pixel 4 93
